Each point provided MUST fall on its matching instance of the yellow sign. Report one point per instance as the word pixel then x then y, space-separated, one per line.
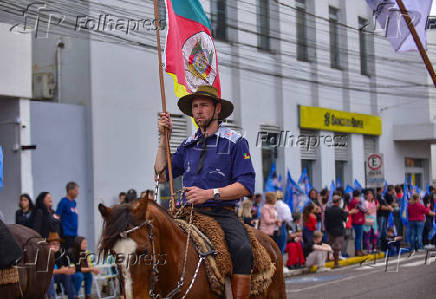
pixel 339 121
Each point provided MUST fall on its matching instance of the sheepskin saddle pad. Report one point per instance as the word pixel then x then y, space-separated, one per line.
pixel 9 275
pixel 207 235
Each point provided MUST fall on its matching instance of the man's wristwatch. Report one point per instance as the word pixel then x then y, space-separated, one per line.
pixel 216 194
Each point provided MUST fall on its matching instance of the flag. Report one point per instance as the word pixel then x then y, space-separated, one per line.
pixel 357 185
pixel 303 176
pixel 388 15
pixel 404 203
pixel 332 189
pixel 303 188
pixel 1 167
pixel 433 232
pixel 270 184
pixel 349 189
pixel 385 189
pixel 338 183
pixel 304 182
pixel 289 200
pixel 303 201
pixel 279 184
pixel 391 222
pixel 191 57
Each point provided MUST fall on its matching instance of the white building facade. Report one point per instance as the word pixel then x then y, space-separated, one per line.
pixel 95 120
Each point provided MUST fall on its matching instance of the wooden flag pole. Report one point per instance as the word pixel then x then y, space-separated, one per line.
pixel 417 40
pixel 164 104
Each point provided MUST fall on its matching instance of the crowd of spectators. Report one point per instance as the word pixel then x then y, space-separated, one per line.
pixel 332 222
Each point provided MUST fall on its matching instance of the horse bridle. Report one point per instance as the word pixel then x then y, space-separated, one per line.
pixel 155 270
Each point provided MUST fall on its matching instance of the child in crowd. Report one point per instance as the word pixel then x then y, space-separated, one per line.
pixel 63 272
pixel 391 242
pixel 83 269
pixel 316 252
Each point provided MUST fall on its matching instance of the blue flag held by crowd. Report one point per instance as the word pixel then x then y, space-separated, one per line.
pixel 273 182
pixel 357 185
pixel 404 203
pixel 289 194
pixel 332 189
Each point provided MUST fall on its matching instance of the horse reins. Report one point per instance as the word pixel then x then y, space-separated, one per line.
pixel 155 270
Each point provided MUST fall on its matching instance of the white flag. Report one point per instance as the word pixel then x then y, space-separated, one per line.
pixel 388 15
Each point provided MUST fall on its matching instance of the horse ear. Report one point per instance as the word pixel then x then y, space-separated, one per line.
pixel 104 211
pixel 141 207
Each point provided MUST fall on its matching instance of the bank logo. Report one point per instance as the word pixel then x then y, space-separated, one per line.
pixel 327 119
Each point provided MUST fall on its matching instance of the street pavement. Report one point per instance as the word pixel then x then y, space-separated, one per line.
pixel 413 280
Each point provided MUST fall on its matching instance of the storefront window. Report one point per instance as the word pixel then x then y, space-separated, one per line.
pixel 269 153
pixel 340 171
pixel 308 164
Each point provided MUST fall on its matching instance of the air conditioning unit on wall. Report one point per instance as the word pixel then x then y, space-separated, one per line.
pixel 44 86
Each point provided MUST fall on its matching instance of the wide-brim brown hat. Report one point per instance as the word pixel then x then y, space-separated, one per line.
pixel 53 236
pixel 185 102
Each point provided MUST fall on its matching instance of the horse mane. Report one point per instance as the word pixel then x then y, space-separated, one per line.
pixel 120 218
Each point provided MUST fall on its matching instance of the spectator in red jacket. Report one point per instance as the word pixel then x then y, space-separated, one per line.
pixel 357 213
pixel 416 212
pixel 309 223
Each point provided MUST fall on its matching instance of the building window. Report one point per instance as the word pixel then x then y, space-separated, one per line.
pixel 411 162
pixel 263 25
pixel 363 40
pixel 302 42
pixel 219 19
pixel 162 14
pixel 340 167
pixel 308 164
pixel 334 38
pixel 269 152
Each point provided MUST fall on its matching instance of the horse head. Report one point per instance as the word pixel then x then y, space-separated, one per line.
pixel 129 236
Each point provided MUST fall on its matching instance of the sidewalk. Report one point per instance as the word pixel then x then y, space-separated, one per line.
pixel 343 263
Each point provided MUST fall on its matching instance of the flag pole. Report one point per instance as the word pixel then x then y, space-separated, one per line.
pixel 164 104
pixel 417 40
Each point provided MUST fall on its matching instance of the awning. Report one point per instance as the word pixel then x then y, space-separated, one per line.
pixel 415 132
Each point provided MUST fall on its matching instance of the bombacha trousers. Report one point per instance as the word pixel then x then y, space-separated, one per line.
pixel 236 237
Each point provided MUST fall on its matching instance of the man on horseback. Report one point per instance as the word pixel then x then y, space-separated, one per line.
pixel 217 171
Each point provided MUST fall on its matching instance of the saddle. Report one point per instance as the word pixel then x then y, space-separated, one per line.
pixel 207 235
pixel 10 253
pixel 9 275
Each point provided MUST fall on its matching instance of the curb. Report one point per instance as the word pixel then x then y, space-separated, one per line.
pixel 346 262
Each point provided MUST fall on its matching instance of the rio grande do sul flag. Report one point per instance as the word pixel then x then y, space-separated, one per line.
pixel 190 54
pixel 388 15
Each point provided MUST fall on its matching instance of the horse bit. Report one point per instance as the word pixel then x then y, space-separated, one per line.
pixel 155 271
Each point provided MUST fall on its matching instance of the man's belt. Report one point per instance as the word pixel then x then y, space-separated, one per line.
pixel 210 209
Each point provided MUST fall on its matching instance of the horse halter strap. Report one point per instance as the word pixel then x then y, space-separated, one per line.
pixel 155 271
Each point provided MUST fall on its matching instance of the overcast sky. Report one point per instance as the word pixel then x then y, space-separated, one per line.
pixel 433 9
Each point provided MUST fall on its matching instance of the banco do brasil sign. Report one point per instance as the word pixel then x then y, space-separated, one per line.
pixel 339 121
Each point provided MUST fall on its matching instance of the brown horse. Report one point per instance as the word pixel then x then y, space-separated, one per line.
pixel 35 268
pixel 144 225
